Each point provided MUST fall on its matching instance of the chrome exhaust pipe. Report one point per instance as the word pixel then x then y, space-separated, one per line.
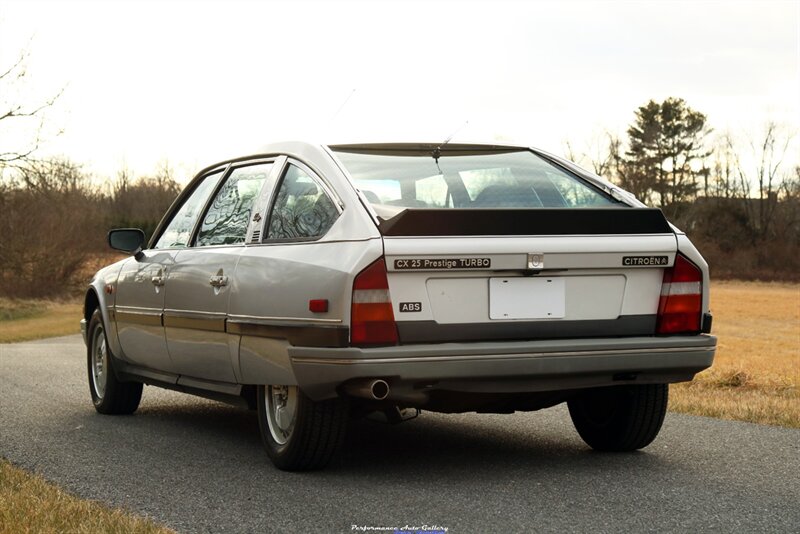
pixel 374 388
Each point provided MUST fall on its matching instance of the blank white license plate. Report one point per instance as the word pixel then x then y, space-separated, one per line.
pixel 527 298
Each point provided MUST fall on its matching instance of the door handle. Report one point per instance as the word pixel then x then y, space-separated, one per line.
pixel 158 280
pixel 218 280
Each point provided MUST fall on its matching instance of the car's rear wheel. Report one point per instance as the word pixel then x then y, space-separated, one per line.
pixel 298 433
pixel 109 395
pixel 619 418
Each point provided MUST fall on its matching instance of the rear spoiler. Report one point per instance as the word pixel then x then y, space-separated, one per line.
pixel 540 221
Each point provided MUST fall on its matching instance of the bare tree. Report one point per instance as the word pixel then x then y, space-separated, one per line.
pixel 597 154
pixel 724 181
pixel 570 153
pixel 140 202
pixel 51 222
pixel 53 176
pixel 764 177
pixel 15 114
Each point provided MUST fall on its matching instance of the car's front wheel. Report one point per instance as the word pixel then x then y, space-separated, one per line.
pixel 619 418
pixel 298 433
pixel 109 395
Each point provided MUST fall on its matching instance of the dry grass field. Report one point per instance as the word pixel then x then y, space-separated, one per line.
pixel 756 373
pixel 29 504
pixel 23 320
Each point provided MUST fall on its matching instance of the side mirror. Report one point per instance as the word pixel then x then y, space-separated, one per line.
pixel 130 240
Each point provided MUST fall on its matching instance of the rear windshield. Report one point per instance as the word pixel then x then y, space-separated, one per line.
pixel 459 179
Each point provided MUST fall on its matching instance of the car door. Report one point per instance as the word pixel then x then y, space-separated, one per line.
pixel 288 286
pixel 198 284
pixel 140 287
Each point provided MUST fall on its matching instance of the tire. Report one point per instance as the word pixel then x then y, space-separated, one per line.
pixel 298 433
pixel 109 395
pixel 619 418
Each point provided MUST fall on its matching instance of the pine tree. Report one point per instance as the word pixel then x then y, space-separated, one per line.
pixel 666 151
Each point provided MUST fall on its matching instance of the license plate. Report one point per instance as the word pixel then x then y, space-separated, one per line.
pixel 527 298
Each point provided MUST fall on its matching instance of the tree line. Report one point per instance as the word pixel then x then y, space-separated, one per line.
pixel 738 198
pixel 54 219
pixel 739 201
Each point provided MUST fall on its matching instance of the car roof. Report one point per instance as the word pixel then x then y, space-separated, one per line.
pixel 309 150
pixel 413 149
pixel 394 146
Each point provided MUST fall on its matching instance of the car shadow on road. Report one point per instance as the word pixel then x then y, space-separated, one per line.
pixel 493 446
pixel 478 445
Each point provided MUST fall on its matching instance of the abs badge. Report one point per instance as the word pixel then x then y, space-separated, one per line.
pixel 645 261
pixel 410 306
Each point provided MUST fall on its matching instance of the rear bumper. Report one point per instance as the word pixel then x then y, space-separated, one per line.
pixel 496 367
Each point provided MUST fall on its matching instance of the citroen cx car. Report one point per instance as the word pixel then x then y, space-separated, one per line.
pixel 317 283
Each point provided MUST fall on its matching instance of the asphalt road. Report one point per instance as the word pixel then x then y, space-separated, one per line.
pixel 198 466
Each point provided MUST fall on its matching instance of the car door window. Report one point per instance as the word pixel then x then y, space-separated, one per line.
pixel 302 209
pixel 228 217
pixel 179 230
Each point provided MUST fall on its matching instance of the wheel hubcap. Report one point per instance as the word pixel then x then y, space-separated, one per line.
pixel 99 362
pixel 281 402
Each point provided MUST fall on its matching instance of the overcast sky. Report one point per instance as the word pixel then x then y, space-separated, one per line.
pixel 195 82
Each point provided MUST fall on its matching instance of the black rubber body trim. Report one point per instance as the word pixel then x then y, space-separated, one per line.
pixel 706 326
pixel 540 221
pixel 298 335
pixel 433 332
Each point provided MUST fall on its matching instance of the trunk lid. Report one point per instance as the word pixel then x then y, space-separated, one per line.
pixel 471 275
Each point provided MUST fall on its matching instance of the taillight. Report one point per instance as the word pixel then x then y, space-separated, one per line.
pixel 371 317
pixel 680 307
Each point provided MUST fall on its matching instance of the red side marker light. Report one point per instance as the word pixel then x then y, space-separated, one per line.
pixel 318 305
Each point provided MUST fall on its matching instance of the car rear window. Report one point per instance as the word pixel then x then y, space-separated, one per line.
pixel 460 178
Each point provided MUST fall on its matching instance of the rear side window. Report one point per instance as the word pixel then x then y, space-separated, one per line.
pixel 228 216
pixel 466 178
pixel 179 230
pixel 302 209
